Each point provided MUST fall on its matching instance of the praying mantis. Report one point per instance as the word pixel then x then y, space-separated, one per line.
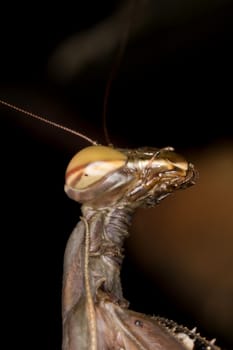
pixel 111 183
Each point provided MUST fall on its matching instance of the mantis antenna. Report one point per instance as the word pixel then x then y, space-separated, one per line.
pixel 47 121
pixel 118 59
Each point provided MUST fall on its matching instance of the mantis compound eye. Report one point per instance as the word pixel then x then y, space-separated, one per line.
pixel 91 165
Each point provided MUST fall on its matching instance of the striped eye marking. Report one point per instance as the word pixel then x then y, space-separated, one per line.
pixel 91 164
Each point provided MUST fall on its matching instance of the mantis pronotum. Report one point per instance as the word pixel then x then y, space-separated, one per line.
pixel 110 184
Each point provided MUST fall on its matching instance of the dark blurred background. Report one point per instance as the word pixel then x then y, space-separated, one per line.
pixel 173 87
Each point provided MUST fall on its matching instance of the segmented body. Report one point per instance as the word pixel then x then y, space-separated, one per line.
pixel 111 184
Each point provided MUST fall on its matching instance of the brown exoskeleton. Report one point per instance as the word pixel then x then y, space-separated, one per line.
pixel 110 184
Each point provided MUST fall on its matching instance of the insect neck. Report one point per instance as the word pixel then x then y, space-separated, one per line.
pixel 108 228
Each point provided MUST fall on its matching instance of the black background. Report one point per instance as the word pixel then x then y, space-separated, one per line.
pixel 173 87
